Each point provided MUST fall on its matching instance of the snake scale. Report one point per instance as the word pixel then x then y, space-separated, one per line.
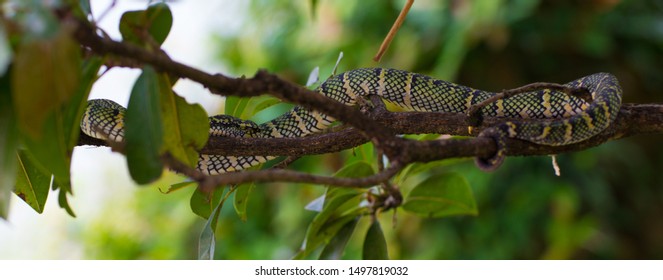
pixel 547 117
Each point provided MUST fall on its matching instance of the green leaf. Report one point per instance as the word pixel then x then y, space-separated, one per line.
pixel 260 103
pixel 49 95
pixel 52 150
pixel 442 195
pixel 326 232
pixel 32 183
pixel 364 152
pixel 356 169
pixel 45 76
pixel 144 129
pixel 207 241
pixel 334 250
pixel 51 157
pixel 202 204
pixel 8 145
pixel 69 123
pixel 155 21
pixel 234 106
pixel 375 246
pixel 341 205
pixel 73 112
pixel 268 113
pixel 246 108
pixel 186 125
pixel 241 199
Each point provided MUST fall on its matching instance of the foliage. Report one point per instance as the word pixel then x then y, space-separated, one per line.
pixel 526 212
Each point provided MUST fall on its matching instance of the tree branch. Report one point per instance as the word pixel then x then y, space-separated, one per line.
pixel 378 125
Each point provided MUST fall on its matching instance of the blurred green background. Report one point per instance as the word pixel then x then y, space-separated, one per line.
pixel 608 203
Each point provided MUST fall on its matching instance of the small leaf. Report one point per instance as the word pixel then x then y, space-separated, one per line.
pixel 375 246
pixel 161 20
pixel 313 77
pixel 155 21
pixel 65 187
pixel 338 61
pixel 241 199
pixel 32 183
pixel 207 241
pixel 316 205
pixel 440 196
pixel 334 250
pixel 144 129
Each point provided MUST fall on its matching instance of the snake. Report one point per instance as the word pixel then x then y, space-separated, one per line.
pixel 547 116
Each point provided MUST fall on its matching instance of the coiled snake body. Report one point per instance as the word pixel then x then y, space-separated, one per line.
pixel 546 117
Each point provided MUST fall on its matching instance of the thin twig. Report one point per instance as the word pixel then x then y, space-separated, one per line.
pixel 392 32
pixel 287 161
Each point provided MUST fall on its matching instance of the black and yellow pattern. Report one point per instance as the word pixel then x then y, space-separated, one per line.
pixel 548 117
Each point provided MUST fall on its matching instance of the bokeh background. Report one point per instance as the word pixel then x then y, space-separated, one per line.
pixel 607 203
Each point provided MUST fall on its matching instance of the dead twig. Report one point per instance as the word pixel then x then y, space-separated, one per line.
pixel 394 29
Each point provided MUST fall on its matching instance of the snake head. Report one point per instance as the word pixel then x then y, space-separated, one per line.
pixel 229 126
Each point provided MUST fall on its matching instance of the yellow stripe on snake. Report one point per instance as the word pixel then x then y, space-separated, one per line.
pixel 545 117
